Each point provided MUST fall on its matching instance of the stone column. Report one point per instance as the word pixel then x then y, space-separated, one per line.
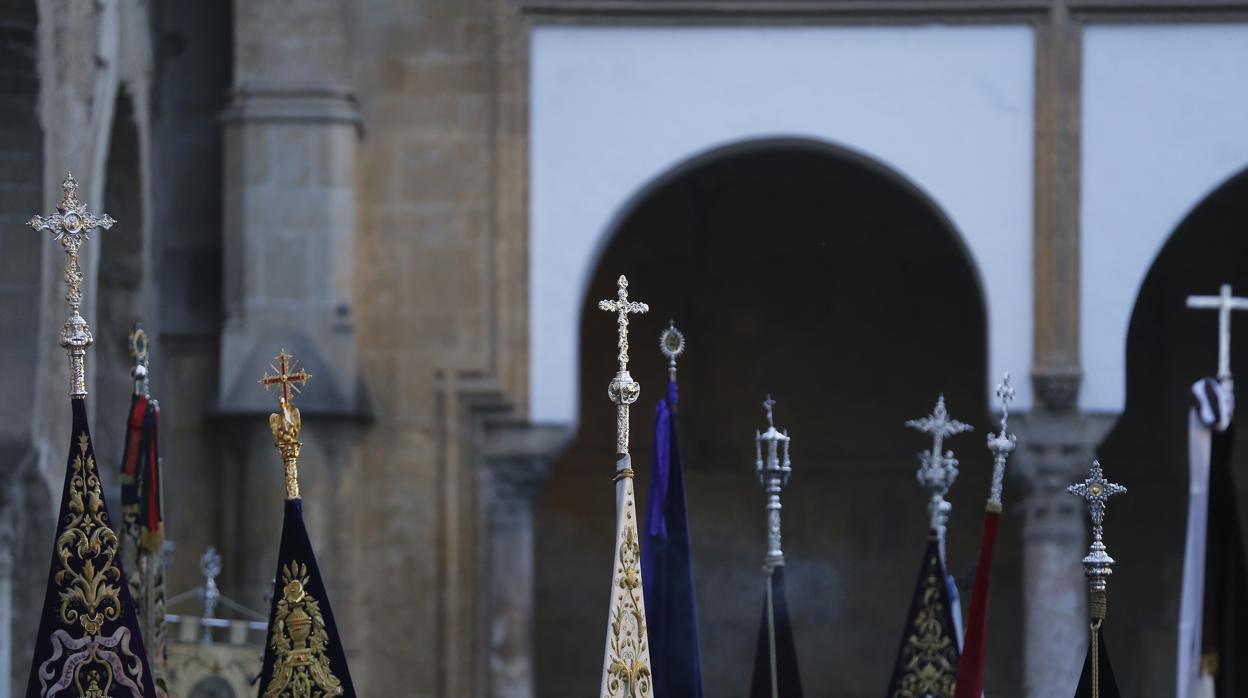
pixel 1055 451
pixel 1056 441
pixel 517 459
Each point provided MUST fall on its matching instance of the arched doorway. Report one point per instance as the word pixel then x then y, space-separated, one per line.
pixel 1168 348
pixel 817 275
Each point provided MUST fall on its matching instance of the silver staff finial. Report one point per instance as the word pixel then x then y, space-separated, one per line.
pixel 672 344
pixel 138 352
pixel 210 567
pixel 72 225
pixel 1097 490
pixel 623 390
pixel 938 468
pixel 1001 444
pixel 773 472
pixel 1224 303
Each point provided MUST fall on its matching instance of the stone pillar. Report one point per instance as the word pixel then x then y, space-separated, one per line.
pixel 1056 441
pixel 289 214
pixel 1055 451
pixel 517 460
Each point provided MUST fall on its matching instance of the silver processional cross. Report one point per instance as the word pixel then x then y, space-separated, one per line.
pixel 71 225
pixel 623 390
pixel 1224 302
pixel 938 468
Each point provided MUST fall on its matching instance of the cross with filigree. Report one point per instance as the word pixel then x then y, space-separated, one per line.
pixel 938 468
pixel 1096 490
pixel 1224 303
pixel 71 225
pixel 623 390
pixel 285 376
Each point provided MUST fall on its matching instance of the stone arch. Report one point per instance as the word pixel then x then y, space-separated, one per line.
pixel 121 281
pixel 1168 348
pixel 817 274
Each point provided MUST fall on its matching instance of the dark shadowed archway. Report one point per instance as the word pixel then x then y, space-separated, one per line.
pixel 821 277
pixel 1168 348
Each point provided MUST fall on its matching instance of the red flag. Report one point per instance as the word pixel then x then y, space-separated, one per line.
pixel 971 666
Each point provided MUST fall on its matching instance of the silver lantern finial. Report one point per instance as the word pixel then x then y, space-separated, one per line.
pixel 138 352
pixel 622 390
pixel 773 472
pixel 937 467
pixel 1001 444
pixel 672 344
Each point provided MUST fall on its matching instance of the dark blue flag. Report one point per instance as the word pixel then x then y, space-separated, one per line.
pixel 776 655
pixel 927 661
pixel 89 641
pixel 304 651
pixel 667 569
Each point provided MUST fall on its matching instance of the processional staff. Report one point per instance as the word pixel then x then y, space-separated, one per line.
pixel 1224 303
pixel 626 660
pixel 1098 565
pixel 72 225
pixel 1001 444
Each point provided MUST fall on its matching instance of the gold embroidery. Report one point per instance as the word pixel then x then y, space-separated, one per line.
pixel 628 670
pixel 929 655
pixel 299 640
pixel 87 597
pixel 90 593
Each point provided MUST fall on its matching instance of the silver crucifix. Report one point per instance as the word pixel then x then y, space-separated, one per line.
pixel 937 467
pixel 1001 444
pixel 623 390
pixel 71 226
pixel 1096 490
pixel 1224 303
pixel 773 472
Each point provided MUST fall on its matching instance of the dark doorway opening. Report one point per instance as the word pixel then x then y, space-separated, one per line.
pixel 1168 348
pixel 817 275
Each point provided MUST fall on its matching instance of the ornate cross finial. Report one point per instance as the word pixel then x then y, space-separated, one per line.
pixel 937 467
pixel 286 425
pixel 773 470
pixel 1224 303
pixel 71 225
pixel 623 390
pixel 1097 490
pixel 138 352
pixel 672 344
pixel 1001 444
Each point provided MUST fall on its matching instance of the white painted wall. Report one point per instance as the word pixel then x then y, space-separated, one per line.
pixel 1165 121
pixel 950 108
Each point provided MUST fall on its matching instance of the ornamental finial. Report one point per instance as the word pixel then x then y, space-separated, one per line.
pixel 1001 444
pixel 1224 303
pixel 672 344
pixel 623 390
pixel 138 352
pixel 1096 490
pixel 71 225
pixel 773 470
pixel 937 467
pixel 287 425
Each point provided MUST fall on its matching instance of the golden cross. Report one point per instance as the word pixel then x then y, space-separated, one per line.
pixel 284 376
